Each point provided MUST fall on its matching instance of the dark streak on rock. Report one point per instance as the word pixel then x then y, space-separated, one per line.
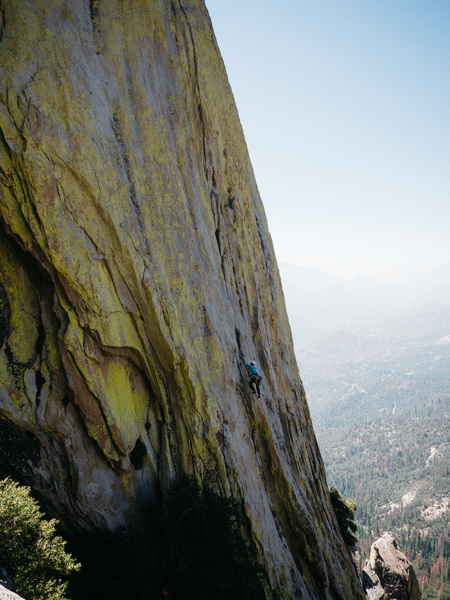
pixel 137 454
pixel 4 316
pixel 40 380
pixel 127 166
pixel 172 8
pixel 2 22
pixel 94 13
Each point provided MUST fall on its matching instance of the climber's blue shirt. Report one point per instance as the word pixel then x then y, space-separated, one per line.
pixel 252 368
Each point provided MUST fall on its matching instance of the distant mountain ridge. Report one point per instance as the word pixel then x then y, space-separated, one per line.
pixel 308 278
pixel 319 303
pixel 313 279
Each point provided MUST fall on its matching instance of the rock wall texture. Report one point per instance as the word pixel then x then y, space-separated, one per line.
pixel 389 575
pixel 6 594
pixel 135 267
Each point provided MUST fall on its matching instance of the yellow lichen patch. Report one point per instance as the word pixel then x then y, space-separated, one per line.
pixel 117 330
pixel 124 407
pixel 120 406
pixel 23 301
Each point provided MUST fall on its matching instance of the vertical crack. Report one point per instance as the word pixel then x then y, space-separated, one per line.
pixel 40 380
pixel 200 109
pixel 127 165
pixel 94 14
pixel 2 21
pixel 4 316
pixel 22 105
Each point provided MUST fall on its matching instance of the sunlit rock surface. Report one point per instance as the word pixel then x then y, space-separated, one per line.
pixel 6 594
pixel 135 267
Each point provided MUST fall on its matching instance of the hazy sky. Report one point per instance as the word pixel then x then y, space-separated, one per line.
pixel 345 106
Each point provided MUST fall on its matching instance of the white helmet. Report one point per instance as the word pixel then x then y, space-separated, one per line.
pixel 252 362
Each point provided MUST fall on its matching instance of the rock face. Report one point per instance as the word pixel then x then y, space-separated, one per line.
pixel 6 594
pixel 135 267
pixel 388 574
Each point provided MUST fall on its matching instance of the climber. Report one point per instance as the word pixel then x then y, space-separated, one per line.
pixel 255 378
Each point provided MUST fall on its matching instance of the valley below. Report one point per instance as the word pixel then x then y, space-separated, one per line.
pixel 375 363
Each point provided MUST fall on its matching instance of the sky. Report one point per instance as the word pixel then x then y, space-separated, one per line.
pixel 345 106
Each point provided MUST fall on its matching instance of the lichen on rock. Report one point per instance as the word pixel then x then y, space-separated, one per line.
pixel 137 267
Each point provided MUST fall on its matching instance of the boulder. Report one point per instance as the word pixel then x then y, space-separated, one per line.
pixel 371 584
pixel 389 575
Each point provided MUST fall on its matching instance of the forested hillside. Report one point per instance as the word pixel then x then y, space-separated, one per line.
pixel 378 387
pixel 396 468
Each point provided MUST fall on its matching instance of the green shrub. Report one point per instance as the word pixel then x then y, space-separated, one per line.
pixel 345 511
pixel 29 549
pixel 206 555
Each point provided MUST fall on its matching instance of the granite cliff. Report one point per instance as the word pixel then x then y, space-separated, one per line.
pixel 136 267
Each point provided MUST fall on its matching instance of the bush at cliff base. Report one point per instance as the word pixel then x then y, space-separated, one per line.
pixel 29 549
pixel 206 554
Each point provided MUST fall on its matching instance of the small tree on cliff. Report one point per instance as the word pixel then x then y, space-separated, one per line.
pixel 345 511
pixel 29 549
